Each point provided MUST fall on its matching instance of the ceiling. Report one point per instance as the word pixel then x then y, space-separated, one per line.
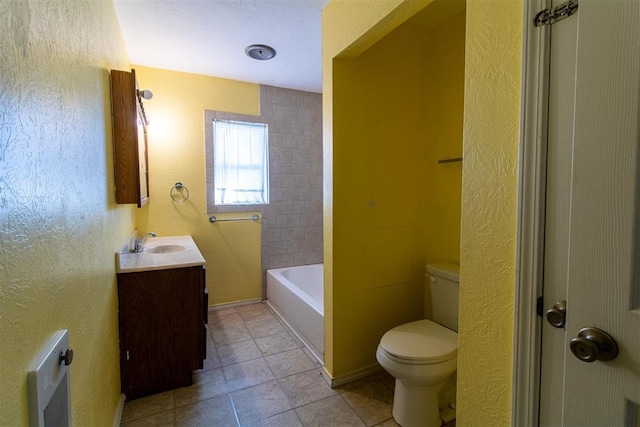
pixel 209 37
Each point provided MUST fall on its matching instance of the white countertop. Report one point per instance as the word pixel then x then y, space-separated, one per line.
pixel 190 256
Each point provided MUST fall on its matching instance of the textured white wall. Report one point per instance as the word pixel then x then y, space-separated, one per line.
pixel 59 224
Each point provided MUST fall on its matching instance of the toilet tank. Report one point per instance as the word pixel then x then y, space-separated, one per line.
pixel 444 285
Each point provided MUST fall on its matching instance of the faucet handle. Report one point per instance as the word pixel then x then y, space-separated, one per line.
pixel 140 240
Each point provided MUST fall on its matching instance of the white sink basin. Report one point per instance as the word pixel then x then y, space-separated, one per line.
pixel 164 249
pixel 159 253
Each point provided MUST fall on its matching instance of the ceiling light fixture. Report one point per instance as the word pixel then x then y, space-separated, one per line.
pixel 260 52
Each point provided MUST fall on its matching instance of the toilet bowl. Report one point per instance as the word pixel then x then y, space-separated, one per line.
pixel 422 355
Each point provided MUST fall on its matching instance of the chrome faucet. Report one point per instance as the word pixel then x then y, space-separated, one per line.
pixel 140 241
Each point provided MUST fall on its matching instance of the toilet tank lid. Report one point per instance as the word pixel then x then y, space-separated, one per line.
pixel 445 270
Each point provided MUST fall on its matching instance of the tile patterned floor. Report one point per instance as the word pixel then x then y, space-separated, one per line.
pixel 257 373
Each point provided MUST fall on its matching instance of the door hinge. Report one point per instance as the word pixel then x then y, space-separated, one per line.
pixel 556 14
pixel 539 306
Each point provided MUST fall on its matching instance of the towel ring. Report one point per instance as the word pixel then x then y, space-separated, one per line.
pixel 179 188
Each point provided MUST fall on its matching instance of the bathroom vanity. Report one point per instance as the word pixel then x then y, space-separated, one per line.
pixel 162 314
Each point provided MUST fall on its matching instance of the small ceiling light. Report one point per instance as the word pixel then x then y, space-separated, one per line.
pixel 260 52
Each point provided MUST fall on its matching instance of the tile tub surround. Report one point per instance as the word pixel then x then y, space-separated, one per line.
pixel 258 373
pixel 292 222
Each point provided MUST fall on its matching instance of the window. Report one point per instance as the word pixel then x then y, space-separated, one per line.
pixel 240 163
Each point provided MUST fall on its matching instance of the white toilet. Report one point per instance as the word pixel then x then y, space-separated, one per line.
pixel 422 355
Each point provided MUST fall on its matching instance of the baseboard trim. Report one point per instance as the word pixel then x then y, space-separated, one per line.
pixel 118 419
pixel 338 381
pixel 295 332
pixel 233 304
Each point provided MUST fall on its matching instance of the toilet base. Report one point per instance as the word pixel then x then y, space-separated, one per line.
pixel 416 405
pixel 447 414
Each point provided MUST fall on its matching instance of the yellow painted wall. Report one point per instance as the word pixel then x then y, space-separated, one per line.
pixel 59 224
pixel 491 113
pixel 176 154
pixel 489 201
pixel 397 108
pixel 444 81
pixel 346 31
pixel 378 196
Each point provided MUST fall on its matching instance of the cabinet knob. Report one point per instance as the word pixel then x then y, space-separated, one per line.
pixel 66 357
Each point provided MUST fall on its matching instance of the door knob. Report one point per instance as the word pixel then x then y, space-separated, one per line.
pixel 593 344
pixel 557 315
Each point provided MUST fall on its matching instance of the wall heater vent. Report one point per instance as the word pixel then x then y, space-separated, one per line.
pixel 48 384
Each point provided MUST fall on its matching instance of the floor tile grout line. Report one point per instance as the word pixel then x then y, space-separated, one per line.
pixel 263 356
pixel 356 412
pixel 277 380
pixel 327 398
pixel 291 407
pixel 233 406
pixel 304 404
pixel 353 409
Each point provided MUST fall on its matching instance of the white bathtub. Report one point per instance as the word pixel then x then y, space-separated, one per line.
pixel 297 295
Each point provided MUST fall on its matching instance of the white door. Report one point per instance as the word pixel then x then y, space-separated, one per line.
pixel 592 230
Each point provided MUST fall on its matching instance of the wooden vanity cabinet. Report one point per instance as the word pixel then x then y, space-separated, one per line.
pixel 162 323
pixel 129 139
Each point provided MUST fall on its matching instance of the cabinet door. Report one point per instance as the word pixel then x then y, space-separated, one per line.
pixel 129 139
pixel 160 315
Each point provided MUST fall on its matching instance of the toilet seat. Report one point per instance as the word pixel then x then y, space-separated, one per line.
pixel 422 342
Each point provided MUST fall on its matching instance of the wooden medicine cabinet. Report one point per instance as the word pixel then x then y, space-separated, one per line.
pixel 129 139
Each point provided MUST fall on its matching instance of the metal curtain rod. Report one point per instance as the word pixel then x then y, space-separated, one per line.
pixel 213 218
pixel 457 159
